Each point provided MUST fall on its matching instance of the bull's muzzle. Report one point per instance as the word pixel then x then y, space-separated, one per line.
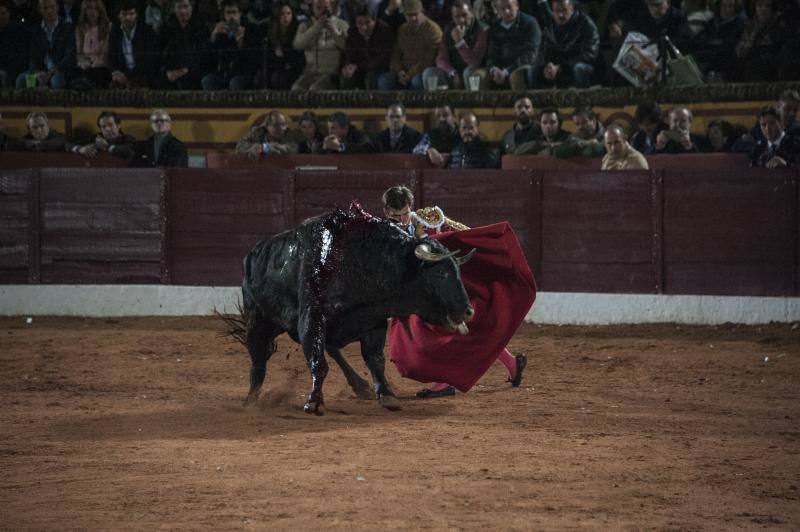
pixel 461 326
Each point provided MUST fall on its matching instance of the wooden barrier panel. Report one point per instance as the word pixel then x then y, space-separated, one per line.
pixel 59 160
pixel 101 226
pixel 373 161
pixel 19 204
pixel 216 216
pixel 483 197
pixel 548 162
pixel 598 232
pixel 730 233
pixel 318 192
pixel 710 162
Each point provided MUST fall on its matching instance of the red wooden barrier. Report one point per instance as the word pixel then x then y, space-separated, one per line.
pixel 710 162
pixel 59 160
pixel 373 161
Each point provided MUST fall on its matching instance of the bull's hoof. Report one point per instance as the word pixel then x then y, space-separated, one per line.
pixel 362 390
pixel 314 407
pixel 251 399
pixel 390 402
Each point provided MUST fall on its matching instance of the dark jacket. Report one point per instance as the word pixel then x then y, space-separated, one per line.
pixel 476 154
pixel 373 55
pixel 173 153
pixel 122 146
pixel 789 150
pixel 55 141
pixel 514 47
pixel 541 145
pixel 644 143
pixel 229 60
pixel 354 142
pixel 15 41
pixel 673 24
pixel 575 42
pixel 439 139
pixel 183 47
pixel 700 144
pixel 409 138
pixel 61 49
pixel 145 52
pixel 519 135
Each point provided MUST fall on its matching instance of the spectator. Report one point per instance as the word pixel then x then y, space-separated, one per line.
pixel 776 149
pixel 52 49
pixel 368 52
pixel 259 13
pixel 111 139
pixel 514 42
pixel 471 152
pixel 649 124
pixel 323 40
pixel 713 45
pixel 440 11
pixel 570 47
pixel 343 137
pixel 133 53
pixel 161 148
pixel 588 138
pixel 92 35
pixel 462 51
pixel 525 129
pixel 415 49
pixel 440 140
pixel 312 136
pixel 235 48
pixel 653 18
pixel 391 12
pixel 722 135
pixel 183 39
pixel 40 137
pixel 620 154
pixel 14 43
pixel 485 11
pixel 551 138
pixel 755 54
pixel 397 137
pixel 155 14
pixel 268 137
pixel 282 62
pixel 679 138
pixel 787 106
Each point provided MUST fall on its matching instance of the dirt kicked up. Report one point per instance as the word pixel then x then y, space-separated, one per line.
pixel 139 424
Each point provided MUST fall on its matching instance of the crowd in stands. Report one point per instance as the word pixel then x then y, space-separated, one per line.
pixel 380 44
pixel 454 141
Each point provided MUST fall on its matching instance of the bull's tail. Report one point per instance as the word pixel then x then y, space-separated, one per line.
pixel 236 324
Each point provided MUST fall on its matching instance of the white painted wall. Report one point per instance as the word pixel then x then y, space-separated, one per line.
pixel 550 307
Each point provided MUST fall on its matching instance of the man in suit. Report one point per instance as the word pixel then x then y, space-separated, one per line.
pixel 397 137
pixel 777 149
pixel 161 149
pixel 132 51
pixel 53 51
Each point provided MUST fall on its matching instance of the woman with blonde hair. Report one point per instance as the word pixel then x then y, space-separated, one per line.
pixel 91 38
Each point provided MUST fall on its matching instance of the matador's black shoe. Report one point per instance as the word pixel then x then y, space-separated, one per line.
pixel 427 393
pixel 522 361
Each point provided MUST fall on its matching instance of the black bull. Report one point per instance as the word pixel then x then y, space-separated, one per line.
pixel 335 279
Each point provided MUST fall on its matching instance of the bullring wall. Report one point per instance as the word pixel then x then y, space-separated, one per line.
pixel 698 229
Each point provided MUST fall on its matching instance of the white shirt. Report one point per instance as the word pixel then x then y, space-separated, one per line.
pixel 127 48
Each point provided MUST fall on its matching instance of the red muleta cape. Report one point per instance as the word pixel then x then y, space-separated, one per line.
pixel 501 289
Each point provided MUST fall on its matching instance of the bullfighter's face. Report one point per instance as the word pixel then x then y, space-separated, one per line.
pixel 400 216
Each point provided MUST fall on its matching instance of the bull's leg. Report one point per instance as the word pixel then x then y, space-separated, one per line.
pixel 311 327
pixel 260 339
pixel 360 386
pixel 372 351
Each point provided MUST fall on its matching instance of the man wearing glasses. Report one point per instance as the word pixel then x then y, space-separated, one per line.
pixel 161 148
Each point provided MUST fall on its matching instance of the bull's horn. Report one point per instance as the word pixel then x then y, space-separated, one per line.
pixel 423 252
pixel 465 258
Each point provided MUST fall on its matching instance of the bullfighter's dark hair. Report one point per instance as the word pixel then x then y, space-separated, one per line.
pixel 107 114
pixel 397 197
pixel 340 118
pixel 551 110
pixel 768 110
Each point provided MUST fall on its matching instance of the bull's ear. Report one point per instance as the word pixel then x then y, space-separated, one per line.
pixel 465 258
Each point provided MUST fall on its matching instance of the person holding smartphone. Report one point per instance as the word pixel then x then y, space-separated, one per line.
pixel 235 48
pixel 679 138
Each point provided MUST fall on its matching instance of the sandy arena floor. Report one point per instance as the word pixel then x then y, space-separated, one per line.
pixel 138 424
